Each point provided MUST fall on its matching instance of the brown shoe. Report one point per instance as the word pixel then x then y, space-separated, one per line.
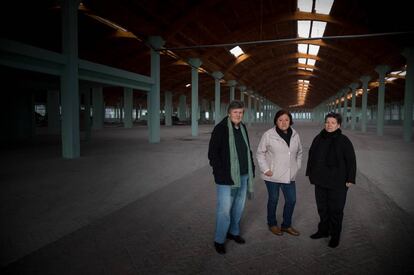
pixel 276 230
pixel 291 231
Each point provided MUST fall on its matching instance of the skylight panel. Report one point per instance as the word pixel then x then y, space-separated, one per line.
pixel 318 28
pixel 313 49
pixel 301 68
pixel 305 5
pixel 323 6
pixel 311 61
pixel 403 73
pixel 303 28
pixel 236 51
pixel 302 60
pixel 309 69
pixel 303 48
pixel 306 81
pixel 396 72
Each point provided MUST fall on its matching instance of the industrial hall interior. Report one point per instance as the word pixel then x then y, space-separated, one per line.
pixel 109 111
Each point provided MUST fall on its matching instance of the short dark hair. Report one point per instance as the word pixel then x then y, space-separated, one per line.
pixel 235 104
pixel 336 116
pixel 281 113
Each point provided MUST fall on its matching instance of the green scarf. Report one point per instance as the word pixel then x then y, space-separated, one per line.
pixel 234 160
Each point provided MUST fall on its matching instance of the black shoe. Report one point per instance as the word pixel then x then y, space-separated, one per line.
pixel 333 242
pixel 220 248
pixel 235 238
pixel 319 235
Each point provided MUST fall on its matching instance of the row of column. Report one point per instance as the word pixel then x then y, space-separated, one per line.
pixel 335 103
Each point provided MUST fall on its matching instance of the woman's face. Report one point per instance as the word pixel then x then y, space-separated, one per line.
pixel 283 122
pixel 236 115
pixel 331 124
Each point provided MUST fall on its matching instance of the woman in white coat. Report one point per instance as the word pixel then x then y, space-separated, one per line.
pixel 279 156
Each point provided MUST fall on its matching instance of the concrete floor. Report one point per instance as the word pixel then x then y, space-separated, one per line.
pixel 130 207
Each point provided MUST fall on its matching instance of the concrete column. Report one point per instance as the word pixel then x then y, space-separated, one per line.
pixel 53 114
pixel 365 80
pixel 345 113
pixel 168 108
pixel 242 89
pixel 408 95
pixel 232 84
pixel 182 107
pixel 213 112
pixel 195 64
pixel 381 70
pixel 70 80
pixel 249 110
pixel 87 112
pixel 217 76
pixel 128 102
pixel 98 108
pixel 154 96
pixel 353 87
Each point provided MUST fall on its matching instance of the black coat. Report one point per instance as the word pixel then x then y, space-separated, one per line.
pixel 331 160
pixel 219 153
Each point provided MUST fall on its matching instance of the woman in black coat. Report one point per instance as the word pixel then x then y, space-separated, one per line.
pixel 331 168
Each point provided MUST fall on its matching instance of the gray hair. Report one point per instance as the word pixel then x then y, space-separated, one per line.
pixel 235 104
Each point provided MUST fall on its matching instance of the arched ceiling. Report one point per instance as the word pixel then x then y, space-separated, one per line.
pixel 270 70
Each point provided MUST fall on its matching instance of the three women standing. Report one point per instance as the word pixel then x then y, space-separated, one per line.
pixel 279 157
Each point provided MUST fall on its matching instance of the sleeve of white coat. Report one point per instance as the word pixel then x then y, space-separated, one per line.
pixel 299 154
pixel 261 154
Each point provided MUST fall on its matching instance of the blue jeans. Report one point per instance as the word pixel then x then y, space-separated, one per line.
pixel 230 206
pixel 289 192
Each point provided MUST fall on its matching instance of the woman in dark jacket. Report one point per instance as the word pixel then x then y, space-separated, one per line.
pixel 331 168
pixel 233 168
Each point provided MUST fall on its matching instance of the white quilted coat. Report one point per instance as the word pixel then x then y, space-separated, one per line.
pixel 274 154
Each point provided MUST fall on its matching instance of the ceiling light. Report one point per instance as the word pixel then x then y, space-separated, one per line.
pixel 236 51
pixel 318 28
pixel 311 61
pixel 303 48
pixel 323 6
pixel 305 5
pixel 313 49
pixel 188 85
pixel 303 28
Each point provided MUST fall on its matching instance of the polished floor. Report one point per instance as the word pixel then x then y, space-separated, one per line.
pixel 130 207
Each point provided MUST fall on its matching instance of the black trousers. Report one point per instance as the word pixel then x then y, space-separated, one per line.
pixel 330 203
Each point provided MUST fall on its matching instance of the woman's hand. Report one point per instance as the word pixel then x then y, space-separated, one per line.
pixel 348 184
pixel 269 173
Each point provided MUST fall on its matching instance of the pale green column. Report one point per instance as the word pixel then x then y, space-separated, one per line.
pixel 338 104
pixel 260 106
pixel 345 113
pixel 232 84
pixel 353 87
pixel 212 111
pixel 256 109
pixel 182 107
pixel 128 102
pixel 242 89
pixel 70 80
pixel 168 108
pixel 365 80
pixel 98 108
pixel 195 64
pixel 154 97
pixel 408 95
pixel 249 110
pixel 52 109
pixel 381 70
pixel 217 76
pixel 87 112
